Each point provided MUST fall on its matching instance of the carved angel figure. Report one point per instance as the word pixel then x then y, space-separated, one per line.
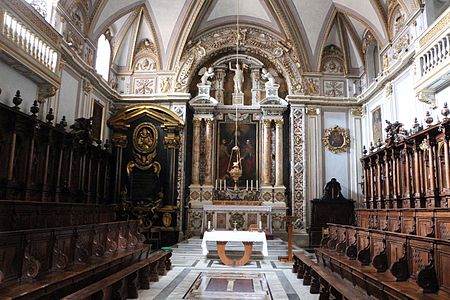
pixel 206 73
pixel 269 77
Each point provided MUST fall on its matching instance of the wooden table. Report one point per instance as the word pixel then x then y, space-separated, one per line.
pixel 223 237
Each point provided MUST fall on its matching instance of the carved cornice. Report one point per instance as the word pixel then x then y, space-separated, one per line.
pixel 435 30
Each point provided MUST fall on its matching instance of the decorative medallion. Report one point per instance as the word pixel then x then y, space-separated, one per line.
pixel 336 139
pixel 145 137
pixel 167 219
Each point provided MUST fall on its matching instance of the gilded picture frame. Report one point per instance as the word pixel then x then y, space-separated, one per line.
pixel 336 139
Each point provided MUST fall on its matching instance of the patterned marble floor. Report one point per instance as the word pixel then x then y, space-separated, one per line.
pixel 188 264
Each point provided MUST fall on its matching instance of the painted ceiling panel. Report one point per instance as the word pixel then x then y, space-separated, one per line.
pixel 166 13
pixel 359 27
pixel 117 26
pixel 124 49
pixel 251 8
pixel 312 14
pixel 355 58
pixel 366 11
pixel 111 8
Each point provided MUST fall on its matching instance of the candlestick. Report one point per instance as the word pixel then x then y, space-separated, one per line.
pixel 251 185
pixel 257 185
pixel 209 225
pixel 216 184
pixel 246 185
pixel 260 225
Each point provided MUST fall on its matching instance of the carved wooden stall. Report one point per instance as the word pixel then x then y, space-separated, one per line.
pixel 400 247
pixel 58 229
pixel 146 139
pixel 331 208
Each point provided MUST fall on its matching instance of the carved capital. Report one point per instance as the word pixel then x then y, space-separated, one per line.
pixel 196 122
pixel 267 123
pixel 119 140
pixel 172 140
pixel 279 123
pixel 314 111
pixel 357 111
pixel 209 122
pixel 87 86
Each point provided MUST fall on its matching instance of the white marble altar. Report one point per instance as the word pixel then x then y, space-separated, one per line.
pixel 235 236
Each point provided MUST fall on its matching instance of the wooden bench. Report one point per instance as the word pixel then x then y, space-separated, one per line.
pixel 125 283
pixel 388 265
pixel 53 262
pixel 324 282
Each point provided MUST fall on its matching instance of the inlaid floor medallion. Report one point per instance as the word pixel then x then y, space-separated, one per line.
pixel 229 285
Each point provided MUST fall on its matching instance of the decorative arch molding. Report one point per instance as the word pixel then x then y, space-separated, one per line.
pixel 253 41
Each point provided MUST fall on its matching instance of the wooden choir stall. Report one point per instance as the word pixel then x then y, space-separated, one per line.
pixel 399 247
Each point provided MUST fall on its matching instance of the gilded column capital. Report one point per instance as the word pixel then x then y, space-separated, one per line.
pixel 119 140
pixel 196 122
pixel 267 122
pixel 357 111
pixel 279 123
pixel 209 122
pixel 172 140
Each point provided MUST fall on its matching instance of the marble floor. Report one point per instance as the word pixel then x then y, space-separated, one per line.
pixel 261 278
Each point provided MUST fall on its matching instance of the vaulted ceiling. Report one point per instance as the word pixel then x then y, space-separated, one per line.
pixel 308 25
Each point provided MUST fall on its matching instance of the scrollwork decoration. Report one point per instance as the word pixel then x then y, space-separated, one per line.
pixel 336 139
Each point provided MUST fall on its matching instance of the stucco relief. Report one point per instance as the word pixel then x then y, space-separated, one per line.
pixel 298 153
pixel 254 41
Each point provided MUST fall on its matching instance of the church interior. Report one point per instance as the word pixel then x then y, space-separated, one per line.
pixel 224 149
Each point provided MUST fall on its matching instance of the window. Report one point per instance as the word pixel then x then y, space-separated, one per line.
pixel 103 57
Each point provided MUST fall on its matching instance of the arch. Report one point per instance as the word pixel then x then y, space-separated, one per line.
pixel 254 41
pixel 371 56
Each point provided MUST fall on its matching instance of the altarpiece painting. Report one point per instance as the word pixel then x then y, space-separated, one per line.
pixel 248 142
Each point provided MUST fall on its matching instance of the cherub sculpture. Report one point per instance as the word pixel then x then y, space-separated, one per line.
pixel 206 73
pixel 269 77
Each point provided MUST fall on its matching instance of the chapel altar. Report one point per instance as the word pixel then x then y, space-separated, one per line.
pixel 237 173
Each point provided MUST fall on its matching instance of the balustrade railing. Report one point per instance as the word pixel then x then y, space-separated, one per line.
pixel 434 46
pixel 29 40
pixel 436 54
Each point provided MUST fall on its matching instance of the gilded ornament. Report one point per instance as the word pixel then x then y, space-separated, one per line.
pixel 167 219
pixel 336 139
pixel 145 137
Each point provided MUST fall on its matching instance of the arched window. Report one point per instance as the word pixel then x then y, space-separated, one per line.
pixel 371 56
pixel 103 57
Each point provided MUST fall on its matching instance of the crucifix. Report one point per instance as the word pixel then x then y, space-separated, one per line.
pixel 289 220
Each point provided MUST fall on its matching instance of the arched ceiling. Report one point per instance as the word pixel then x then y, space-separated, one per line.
pixel 307 25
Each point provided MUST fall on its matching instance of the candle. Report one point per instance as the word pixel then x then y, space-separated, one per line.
pixel 216 184
pixel 246 185
pixel 251 185
pixel 260 225
pixel 209 225
pixel 256 185
pixel 220 184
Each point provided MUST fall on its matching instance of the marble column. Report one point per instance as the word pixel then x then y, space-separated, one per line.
pixel 208 151
pixel 266 167
pixel 279 153
pixel 196 151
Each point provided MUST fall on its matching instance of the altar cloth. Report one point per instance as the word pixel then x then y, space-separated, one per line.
pixel 234 236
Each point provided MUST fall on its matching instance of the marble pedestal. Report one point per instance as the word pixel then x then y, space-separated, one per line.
pixel 238 98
